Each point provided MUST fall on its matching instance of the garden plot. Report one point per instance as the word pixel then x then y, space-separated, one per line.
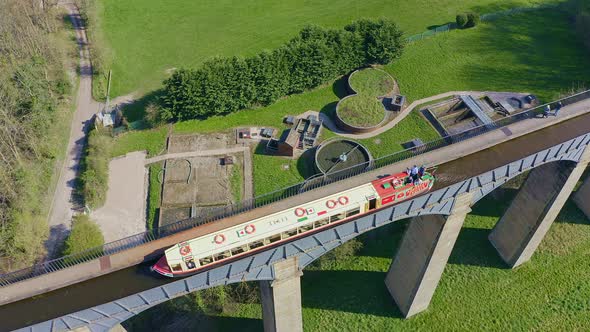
pixel 193 186
pixel 186 143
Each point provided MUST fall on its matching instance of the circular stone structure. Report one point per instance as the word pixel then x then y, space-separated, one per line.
pixel 364 111
pixel 339 154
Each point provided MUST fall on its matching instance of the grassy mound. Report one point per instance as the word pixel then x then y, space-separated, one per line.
pixel 362 110
pixel 372 82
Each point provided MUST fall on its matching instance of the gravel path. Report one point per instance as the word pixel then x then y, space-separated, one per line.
pixel 61 211
pixel 123 213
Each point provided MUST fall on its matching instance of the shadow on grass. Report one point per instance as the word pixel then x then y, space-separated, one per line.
pixel 361 292
pixel 436 26
pixel 340 87
pixel 571 214
pixel 224 323
pixel 474 248
pixel 136 111
pixel 537 55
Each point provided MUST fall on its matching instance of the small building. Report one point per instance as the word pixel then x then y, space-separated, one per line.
pixel 302 136
pixel 109 117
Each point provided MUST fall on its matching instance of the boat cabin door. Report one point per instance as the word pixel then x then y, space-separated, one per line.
pixel 372 203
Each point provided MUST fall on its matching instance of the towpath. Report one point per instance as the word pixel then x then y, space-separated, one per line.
pixel 61 211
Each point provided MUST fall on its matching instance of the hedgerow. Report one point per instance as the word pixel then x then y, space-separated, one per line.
pixel 95 174
pixel 315 56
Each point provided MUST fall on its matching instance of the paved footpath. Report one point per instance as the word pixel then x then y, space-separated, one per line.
pixel 61 211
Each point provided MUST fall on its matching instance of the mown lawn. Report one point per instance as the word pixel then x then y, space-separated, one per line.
pixel 477 291
pixel 149 37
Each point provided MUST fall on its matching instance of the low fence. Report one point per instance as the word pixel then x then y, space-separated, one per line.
pixel 310 184
pixel 485 17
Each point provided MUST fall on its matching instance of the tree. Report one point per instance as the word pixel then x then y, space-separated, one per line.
pixel 313 57
pixel 382 40
pixel 461 20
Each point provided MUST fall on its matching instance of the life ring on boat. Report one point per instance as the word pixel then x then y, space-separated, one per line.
pixel 219 238
pixel 343 200
pixel 250 229
pixel 299 212
pixel 331 204
pixel 185 250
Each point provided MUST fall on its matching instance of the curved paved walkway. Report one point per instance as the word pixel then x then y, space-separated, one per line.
pixel 329 123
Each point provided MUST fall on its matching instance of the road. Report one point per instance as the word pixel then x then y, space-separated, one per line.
pixel 61 211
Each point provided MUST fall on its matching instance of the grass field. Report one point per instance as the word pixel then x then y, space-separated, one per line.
pixel 147 38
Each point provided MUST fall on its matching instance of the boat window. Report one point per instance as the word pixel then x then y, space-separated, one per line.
pixel 222 255
pixel 256 244
pixel 289 233
pixel 322 222
pixel 176 267
pixel 239 250
pixel 337 217
pixel 274 238
pixel 206 260
pixel 190 263
pixel 353 212
pixel 305 228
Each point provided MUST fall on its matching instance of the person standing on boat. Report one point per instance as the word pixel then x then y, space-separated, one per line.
pixel 557 108
pixel 414 172
pixel 421 171
pixel 546 110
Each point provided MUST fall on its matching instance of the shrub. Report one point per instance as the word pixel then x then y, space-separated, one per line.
pixel 315 56
pixel 472 20
pixel 461 20
pixel 85 234
pixel 382 40
pixel 95 174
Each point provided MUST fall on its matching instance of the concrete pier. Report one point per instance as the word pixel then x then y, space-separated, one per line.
pixel 582 197
pixel 281 298
pixel 530 215
pixel 425 249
